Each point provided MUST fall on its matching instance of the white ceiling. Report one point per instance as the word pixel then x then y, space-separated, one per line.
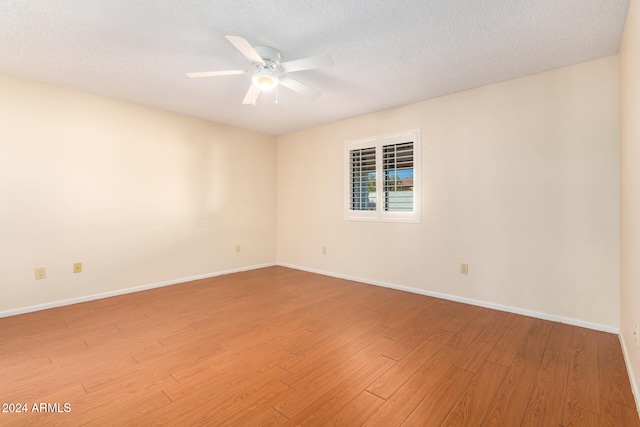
pixel 386 53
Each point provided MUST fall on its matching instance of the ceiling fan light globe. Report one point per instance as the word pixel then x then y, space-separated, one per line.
pixel 265 81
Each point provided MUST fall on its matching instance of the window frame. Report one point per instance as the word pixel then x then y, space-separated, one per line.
pixel 379 214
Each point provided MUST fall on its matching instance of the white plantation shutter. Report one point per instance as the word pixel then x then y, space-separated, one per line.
pixel 363 179
pixel 383 178
pixel 397 170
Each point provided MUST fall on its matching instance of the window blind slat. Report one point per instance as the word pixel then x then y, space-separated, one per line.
pixel 363 168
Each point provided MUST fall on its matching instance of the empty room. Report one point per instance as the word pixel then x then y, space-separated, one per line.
pixel 333 213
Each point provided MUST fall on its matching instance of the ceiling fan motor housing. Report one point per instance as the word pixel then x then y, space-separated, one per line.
pixel 270 56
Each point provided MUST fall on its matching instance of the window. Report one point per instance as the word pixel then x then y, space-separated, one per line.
pixel 383 178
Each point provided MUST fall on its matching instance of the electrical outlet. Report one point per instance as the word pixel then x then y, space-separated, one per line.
pixel 324 250
pixel 636 332
pixel 464 268
pixel 237 248
pixel 41 273
pixel 77 267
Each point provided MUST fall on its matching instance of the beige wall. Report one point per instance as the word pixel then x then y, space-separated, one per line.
pixel 630 190
pixel 140 196
pixel 520 181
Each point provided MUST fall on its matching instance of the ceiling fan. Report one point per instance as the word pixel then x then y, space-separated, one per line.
pixel 268 72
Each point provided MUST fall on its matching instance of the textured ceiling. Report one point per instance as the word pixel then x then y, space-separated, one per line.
pixel 386 53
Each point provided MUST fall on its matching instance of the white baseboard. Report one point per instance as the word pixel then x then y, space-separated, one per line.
pixel 500 307
pixel 86 298
pixel 486 304
pixel 635 388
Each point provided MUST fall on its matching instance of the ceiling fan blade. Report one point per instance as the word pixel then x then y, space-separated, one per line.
pixel 307 63
pixel 252 95
pixel 245 48
pixel 298 87
pixel 217 73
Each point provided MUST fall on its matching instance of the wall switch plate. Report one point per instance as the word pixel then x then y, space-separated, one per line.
pixel 464 268
pixel 324 250
pixel 237 248
pixel 41 273
pixel 77 267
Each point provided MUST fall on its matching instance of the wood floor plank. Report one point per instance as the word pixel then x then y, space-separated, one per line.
pixel 264 417
pixel 243 407
pixel 510 403
pixel 415 330
pixel 136 377
pixel 578 417
pixel 409 343
pixel 220 377
pixel 461 316
pixel 341 396
pixel 324 341
pixel 404 310
pixel 426 320
pixel 615 386
pixel 506 350
pixel 535 341
pixel 311 387
pixel 393 379
pixel 335 352
pixel 401 403
pixel 356 411
pixel 43 383
pixel 545 405
pixel 100 405
pixel 614 414
pixel 133 414
pixel 474 402
pixel 474 356
pixel 583 386
pixel 235 404
pixel 438 403
pixel 277 346
pixel 213 401
pixel 472 329
pixel 261 412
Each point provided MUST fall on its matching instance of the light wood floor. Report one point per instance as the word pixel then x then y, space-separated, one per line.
pixel 283 347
